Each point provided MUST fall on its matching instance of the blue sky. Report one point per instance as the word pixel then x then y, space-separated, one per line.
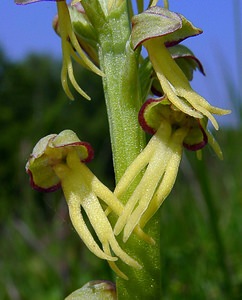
pixel 28 28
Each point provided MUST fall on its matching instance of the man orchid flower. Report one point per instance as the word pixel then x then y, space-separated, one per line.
pixel 71 48
pixel 172 130
pixel 59 161
pixel 156 29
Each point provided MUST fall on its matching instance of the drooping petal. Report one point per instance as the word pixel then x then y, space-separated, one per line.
pixel 176 86
pixel 74 204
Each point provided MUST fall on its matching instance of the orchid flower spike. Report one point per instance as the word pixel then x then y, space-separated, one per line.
pixel 71 48
pixel 59 161
pixel 156 29
pixel 159 161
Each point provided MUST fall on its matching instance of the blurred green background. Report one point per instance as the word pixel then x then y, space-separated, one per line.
pixel 42 257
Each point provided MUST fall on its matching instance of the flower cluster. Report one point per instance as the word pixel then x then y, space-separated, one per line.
pixel 177 119
pixel 174 114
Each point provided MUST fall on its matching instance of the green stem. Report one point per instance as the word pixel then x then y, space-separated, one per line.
pixel 123 101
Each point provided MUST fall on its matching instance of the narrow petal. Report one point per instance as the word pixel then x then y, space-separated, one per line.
pixel 214 144
pixel 67 68
pixel 64 72
pixel 74 82
pixel 64 16
pixel 133 170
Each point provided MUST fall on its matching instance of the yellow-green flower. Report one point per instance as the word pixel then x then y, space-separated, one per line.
pixel 159 161
pixel 71 48
pixel 156 29
pixel 58 161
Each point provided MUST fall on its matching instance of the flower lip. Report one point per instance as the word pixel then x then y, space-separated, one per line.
pixel 50 151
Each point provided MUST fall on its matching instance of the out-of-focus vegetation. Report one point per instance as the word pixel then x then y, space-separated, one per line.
pixel 41 256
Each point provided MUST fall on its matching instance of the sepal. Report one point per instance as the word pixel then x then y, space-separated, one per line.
pixel 161 22
pixel 154 110
pixel 50 151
